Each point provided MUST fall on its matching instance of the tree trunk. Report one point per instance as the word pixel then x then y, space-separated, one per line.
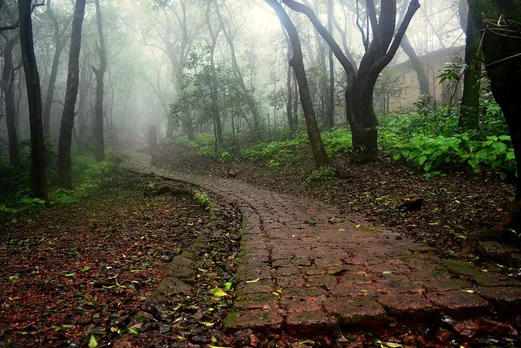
pixel 170 126
pixel 71 94
pixel 360 87
pixel 289 102
pixel 213 83
pixel 417 65
pixel 50 92
pixel 330 113
pixel 99 133
pixel 58 46
pixel 34 96
pixel 502 53
pixel 250 100
pixel 469 112
pixel 188 124
pixel 7 84
pixel 289 91
pixel 295 99
pixel 297 63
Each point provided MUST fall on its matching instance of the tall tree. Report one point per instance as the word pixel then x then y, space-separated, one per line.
pixel 7 85
pixel 360 86
pixel 297 63
pixel 214 83
pixel 60 40
pixel 500 22
pixel 289 86
pixel 469 112
pixel 250 99
pixel 99 133
pixel 423 81
pixel 179 18
pixel 34 96
pixel 330 113
pixel 73 76
pixel 408 49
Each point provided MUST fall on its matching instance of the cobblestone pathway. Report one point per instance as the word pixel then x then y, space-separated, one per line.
pixel 303 268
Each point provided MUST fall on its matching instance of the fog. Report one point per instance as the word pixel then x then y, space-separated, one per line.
pixel 157 53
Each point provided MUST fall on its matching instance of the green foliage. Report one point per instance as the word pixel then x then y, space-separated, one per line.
pixel 451 72
pixel 278 153
pixel 337 141
pixel 87 173
pixel 225 157
pixel 428 138
pixel 433 153
pixel 202 199
pixel 323 174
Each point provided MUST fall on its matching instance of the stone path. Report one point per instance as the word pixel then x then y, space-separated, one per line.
pixel 304 269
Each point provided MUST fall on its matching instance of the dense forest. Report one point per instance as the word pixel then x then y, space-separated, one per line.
pixel 260 173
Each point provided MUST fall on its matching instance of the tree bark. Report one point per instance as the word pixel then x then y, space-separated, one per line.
pixel 360 87
pixel 423 81
pixel 34 96
pixel 250 100
pixel 295 100
pixel 502 53
pixel 7 85
pixel 99 133
pixel 289 103
pixel 330 116
pixel 214 91
pixel 297 63
pixel 71 94
pixel 469 111
pixel 59 44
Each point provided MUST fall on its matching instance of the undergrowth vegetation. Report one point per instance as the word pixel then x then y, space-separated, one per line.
pixel 87 177
pixel 427 138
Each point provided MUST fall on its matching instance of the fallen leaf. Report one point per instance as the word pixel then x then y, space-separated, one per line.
pixel 218 292
pixel 92 342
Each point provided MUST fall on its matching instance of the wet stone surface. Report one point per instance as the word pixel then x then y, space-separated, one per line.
pixel 305 268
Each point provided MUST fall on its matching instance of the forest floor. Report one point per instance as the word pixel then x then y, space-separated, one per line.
pixel 80 275
pixel 155 261
pixel 307 268
pixel 457 210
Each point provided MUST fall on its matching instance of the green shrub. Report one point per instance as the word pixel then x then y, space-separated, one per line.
pixel 87 177
pixel 202 199
pixel 322 174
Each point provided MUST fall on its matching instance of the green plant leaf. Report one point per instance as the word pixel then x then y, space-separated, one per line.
pixel 218 292
pixel 92 342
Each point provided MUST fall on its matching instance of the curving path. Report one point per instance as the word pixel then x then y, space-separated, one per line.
pixel 302 268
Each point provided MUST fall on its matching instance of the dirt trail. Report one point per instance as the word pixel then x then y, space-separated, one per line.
pixel 305 269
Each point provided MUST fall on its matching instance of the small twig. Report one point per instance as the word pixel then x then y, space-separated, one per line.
pixel 504 59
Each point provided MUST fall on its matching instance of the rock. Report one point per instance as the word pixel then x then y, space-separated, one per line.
pixel 171 286
pixel 467 328
pixel 232 173
pixel 411 205
pixel 496 251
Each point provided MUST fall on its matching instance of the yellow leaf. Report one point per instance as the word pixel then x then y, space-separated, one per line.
pixel 92 342
pixel 218 292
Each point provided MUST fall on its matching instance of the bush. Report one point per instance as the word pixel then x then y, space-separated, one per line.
pixel 87 177
pixel 323 174
pixel 429 138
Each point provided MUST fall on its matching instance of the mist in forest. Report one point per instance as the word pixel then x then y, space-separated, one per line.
pixel 158 59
